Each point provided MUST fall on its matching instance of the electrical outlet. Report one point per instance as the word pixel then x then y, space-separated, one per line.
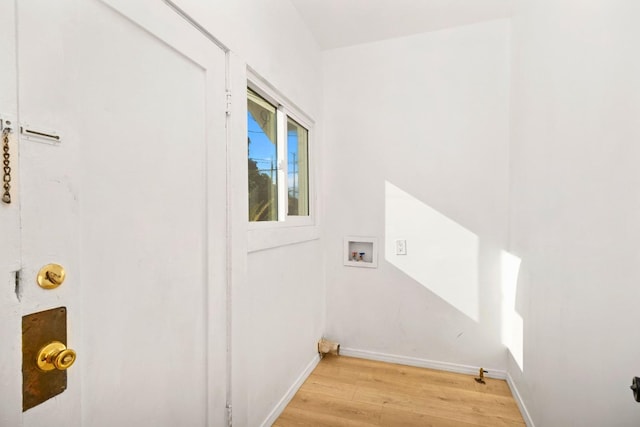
pixel 401 247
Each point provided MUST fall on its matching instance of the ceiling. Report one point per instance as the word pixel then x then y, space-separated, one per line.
pixel 339 23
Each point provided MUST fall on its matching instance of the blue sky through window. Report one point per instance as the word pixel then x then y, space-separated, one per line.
pixel 293 160
pixel 261 149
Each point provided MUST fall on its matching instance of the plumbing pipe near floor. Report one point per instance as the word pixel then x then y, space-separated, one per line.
pixel 328 347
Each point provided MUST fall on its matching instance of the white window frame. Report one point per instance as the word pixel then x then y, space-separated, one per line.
pixel 287 229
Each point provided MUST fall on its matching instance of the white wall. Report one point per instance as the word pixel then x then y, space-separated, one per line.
pixel 417 136
pixel 270 37
pixel 286 314
pixel 277 294
pixel 575 208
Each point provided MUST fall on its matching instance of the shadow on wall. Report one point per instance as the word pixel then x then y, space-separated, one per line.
pixel 443 257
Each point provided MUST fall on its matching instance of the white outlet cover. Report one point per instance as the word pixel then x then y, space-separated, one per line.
pixel 401 247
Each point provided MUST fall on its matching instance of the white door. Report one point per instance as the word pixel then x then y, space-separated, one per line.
pixel 10 318
pixel 131 201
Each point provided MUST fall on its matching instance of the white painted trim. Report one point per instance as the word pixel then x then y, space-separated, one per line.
pixel 238 208
pixel 518 398
pixel 421 363
pixel 193 22
pixel 259 240
pixel 279 408
pixel 265 89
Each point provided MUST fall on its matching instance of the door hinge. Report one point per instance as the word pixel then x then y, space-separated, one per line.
pixel 229 415
pixel 228 107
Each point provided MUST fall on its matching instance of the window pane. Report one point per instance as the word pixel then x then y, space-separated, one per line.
pixel 263 159
pixel 298 168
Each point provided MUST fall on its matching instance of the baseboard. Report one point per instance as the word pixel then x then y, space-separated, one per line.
pixel 516 395
pixel 422 363
pixel 277 410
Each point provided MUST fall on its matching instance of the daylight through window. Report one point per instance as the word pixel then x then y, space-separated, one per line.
pixel 278 163
pixel 298 173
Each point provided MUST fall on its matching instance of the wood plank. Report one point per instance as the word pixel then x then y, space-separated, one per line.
pixel 319 404
pixel 368 369
pixel 397 417
pixel 386 387
pixel 334 387
pixel 375 369
pixel 345 391
pixel 296 417
pixel 439 406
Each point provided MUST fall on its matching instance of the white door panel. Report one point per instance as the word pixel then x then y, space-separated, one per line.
pixel 10 323
pixel 48 188
pixel 131 203
pixel 144 230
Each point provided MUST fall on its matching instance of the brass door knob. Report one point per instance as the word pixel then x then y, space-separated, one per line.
pixel 51 276
pixel 55 356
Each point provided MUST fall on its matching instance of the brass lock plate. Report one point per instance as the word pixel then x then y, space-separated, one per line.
pixel 38 330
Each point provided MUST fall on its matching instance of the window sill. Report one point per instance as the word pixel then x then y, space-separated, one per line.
pixel 259 239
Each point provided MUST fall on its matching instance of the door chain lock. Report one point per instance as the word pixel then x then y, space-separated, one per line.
pixel 6 163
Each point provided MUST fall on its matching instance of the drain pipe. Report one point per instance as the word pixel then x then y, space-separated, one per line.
pixel 328 347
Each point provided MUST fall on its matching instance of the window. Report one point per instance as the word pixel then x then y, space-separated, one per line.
pixel 263 159
pixel 297 168
pixel 278 162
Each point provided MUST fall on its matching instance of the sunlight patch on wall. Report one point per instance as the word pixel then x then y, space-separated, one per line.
pixel 441 254
pixel 512 323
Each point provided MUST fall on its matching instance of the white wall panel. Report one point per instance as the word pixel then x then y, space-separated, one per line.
pixel 417 134
pixel 575 208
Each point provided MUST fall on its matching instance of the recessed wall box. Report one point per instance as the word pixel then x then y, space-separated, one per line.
pixel 360 251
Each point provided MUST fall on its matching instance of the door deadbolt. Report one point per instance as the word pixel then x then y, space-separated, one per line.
pixel 55 355
pixel 51 276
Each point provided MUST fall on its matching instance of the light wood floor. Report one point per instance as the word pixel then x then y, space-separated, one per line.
pixel 344 391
